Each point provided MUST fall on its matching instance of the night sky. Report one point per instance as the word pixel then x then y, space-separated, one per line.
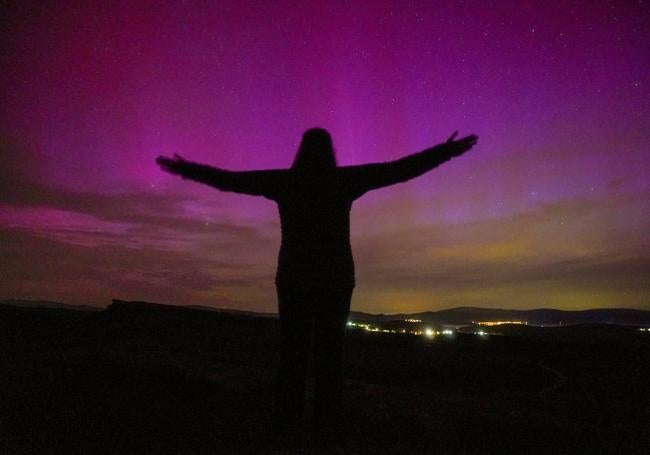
pixel 550 209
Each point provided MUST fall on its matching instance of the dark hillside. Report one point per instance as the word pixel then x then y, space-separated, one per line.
pixel 150 379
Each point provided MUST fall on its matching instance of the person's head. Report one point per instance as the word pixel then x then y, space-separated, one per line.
pixel 315 152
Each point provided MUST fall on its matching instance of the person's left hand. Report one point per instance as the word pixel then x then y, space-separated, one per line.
pixel 460 146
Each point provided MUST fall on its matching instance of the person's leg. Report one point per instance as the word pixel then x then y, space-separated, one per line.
pixel 329 333
pixel 295 335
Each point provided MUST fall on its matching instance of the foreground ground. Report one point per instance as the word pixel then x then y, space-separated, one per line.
pixel 169 381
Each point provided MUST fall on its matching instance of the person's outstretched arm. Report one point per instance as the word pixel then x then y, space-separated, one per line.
pixel 371 176
pixel 258 183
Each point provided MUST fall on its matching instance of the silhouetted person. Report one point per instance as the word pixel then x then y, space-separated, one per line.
pixel 315 274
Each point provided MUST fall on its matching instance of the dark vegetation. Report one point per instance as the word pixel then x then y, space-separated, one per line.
pixel 150 379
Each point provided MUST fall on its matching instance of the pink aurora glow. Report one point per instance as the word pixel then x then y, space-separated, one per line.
pixel 553 199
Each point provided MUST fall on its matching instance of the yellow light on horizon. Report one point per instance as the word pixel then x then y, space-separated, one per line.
pixel 491 323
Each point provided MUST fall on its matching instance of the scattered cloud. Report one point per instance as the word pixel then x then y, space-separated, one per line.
pixel 175 247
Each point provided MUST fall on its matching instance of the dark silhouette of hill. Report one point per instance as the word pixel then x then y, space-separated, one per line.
pixel 541 316
pixel 47 304
pixel 130 305
pixel 65 306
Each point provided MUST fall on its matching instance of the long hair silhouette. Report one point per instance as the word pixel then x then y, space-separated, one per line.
pixel 315 152
pixel 315 273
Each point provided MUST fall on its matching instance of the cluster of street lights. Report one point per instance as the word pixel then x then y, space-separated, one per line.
pixel 427 332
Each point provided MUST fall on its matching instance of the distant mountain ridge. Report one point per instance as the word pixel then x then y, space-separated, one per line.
pixel 540 316
pixel 122 305
pixel 48 304
pixel 452 316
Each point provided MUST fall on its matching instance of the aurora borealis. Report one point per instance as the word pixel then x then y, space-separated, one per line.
pixel 550 209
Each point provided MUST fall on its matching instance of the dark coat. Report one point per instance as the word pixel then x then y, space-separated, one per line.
pixel 315 210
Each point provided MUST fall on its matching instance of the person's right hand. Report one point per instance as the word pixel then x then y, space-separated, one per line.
pixel 176 165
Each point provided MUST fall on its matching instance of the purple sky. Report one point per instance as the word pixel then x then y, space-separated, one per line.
pixel 550 209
